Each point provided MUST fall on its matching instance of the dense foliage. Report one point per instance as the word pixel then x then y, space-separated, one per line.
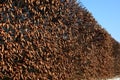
pixel 54 40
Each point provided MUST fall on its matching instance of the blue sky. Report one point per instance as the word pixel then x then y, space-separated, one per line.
pixel 107 13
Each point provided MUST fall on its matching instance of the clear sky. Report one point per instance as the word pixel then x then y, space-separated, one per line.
pixel 107 14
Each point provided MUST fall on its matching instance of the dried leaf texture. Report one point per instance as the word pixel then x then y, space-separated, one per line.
pixel 54 40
